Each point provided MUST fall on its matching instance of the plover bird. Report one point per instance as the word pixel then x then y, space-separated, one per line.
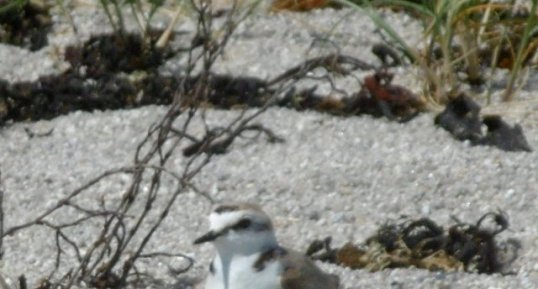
pixel 249 256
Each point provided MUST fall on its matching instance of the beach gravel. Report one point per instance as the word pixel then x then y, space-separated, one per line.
pixel 333 176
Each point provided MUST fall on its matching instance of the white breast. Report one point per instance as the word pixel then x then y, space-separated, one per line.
pixel 242 275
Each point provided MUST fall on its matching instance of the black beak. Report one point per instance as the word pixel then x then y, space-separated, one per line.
pixel 208 237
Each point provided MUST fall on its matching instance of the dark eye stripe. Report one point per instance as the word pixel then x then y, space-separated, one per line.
pixel 242 224
pixel 226 208
pixel 245 224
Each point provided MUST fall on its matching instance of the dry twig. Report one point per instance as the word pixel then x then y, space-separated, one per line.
pixel 126 227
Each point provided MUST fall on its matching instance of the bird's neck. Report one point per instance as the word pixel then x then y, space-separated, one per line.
pixel 237 268
pixel 228 250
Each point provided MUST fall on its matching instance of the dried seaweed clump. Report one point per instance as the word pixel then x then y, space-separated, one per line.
pixel 424 244
pixel 462 119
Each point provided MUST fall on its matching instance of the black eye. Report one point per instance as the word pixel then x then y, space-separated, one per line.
pixel 243 224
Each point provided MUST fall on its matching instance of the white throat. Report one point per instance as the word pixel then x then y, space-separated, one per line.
pixel 240 272
pixel 234 263
pixel 246 248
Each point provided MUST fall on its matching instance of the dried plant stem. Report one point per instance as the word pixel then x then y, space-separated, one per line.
pixel 520 55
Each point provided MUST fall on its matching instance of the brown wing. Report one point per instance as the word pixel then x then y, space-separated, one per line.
pixel 301 273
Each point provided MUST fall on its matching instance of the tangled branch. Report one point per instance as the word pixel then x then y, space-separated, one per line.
pixel 126 226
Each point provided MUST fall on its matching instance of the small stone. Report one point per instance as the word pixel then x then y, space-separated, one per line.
pixel 425 209
pixel 314 215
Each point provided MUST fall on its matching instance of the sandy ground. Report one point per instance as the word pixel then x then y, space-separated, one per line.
pixel 339 177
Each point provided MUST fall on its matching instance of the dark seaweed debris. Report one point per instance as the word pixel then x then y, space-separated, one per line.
pixel 424 244
pixel 461 117
pixel 502 135
pixel 98 80
pixel 378 97
pixel 25 24
pixel 105 54
pixel 121 71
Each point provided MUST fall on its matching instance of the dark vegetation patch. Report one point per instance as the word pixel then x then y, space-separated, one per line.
pixel 24 23
pixel 112 53
pixel 461 117
pixel 421 243
pixel 121 71
pixel 97 80
pixel 303 5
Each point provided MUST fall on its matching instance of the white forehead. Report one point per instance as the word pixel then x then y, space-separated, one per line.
pixel 219 221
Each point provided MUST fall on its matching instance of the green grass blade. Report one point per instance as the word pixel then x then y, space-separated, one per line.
pixel 409 53
pixel 516 68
